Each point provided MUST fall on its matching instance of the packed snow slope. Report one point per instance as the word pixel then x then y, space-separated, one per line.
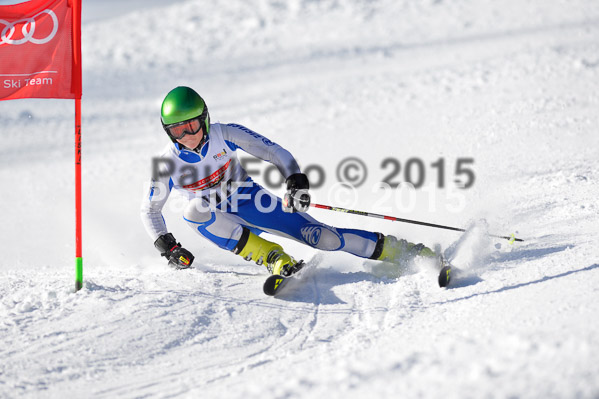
pixel 511 87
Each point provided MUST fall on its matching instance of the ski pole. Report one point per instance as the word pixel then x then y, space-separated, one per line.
pixel 512 238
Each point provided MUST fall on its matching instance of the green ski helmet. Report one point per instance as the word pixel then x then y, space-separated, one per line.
pixel 182 105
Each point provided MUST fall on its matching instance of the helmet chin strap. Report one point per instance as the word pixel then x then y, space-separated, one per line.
pixel 199 146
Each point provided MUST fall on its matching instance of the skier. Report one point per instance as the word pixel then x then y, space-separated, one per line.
pixel 228 208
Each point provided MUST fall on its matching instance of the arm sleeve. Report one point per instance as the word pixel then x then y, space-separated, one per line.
pixel 259 146
pixel 152 204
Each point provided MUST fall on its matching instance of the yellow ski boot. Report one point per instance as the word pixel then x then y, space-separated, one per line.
pixel 391 249
pixel 253 247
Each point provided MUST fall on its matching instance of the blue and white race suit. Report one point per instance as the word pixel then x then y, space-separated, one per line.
pixel 223 198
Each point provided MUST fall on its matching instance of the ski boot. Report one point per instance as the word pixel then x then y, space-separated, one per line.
pixel 253 247
pixel 389 248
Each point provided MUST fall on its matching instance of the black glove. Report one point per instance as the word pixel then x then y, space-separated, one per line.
pixel 297 198
pixel 178 257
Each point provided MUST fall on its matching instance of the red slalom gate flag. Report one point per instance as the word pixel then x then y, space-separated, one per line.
pixel 40 57
pixel 40 50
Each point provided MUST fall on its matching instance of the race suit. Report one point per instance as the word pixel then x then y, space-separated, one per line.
pixel 223 198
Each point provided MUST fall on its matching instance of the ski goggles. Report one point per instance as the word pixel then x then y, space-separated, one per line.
pixel 179 130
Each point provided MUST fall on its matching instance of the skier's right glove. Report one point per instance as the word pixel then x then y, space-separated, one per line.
pixel 297 198
pixel 178 257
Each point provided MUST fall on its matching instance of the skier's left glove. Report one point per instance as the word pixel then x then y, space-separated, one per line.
pixel 297 198
pixel 178 257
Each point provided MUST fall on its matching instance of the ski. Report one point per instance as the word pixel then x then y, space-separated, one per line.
pixel 445 272
pixel 276 282
pixel 445 276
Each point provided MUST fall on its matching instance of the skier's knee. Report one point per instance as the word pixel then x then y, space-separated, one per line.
pixel 197 212
pixel 322 237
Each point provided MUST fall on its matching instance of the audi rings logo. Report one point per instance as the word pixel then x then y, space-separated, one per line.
pixel 27 29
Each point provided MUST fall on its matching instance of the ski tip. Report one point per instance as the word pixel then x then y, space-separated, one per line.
pixel 275 282
pixel 272 284
pixel 444 276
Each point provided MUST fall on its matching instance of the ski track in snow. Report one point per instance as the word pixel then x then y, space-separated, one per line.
pixel 512 85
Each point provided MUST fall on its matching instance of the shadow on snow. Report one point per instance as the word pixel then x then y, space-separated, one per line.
pixel 521 285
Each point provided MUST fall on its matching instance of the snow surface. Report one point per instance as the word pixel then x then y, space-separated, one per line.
pixel 513 85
